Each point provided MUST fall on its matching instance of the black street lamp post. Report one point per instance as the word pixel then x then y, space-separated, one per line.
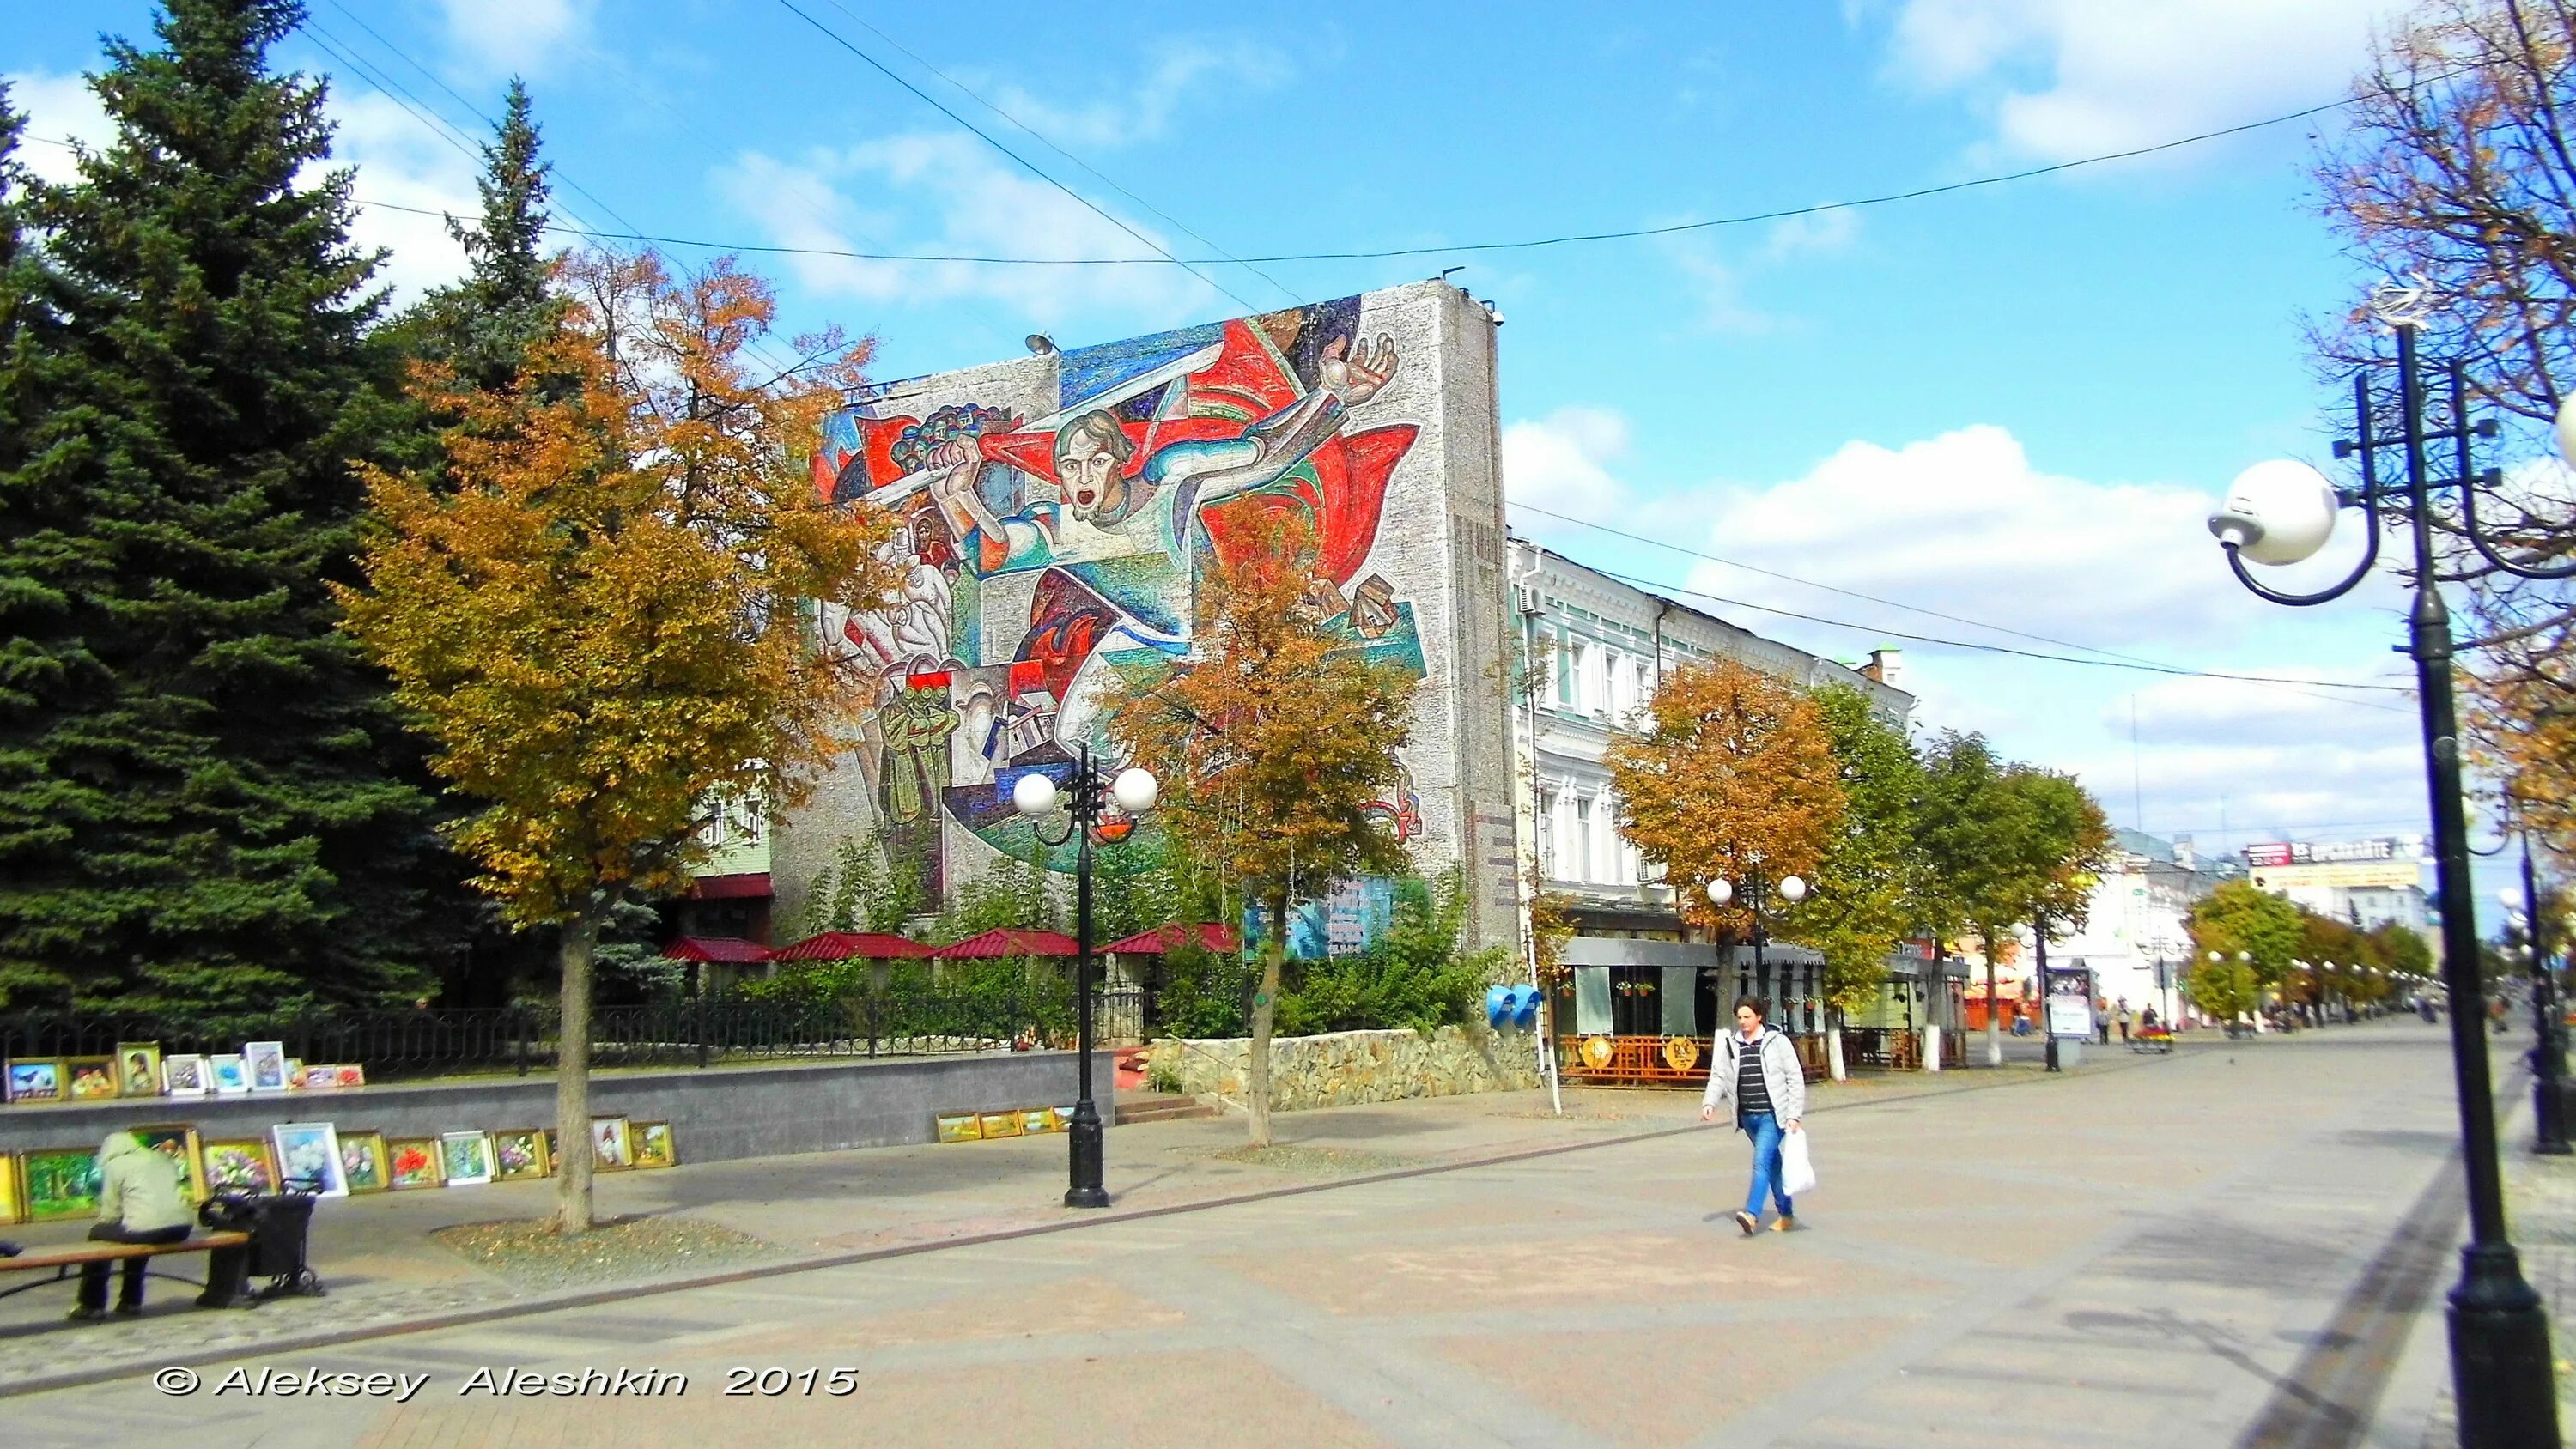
pixel 1757 898
pixel 1085 797
pixel 2281 513
pixel 2039 963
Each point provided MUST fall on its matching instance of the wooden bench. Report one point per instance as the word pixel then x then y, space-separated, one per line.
pixel 66 1262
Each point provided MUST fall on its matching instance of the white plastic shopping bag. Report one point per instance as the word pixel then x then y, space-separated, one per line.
pixel 1797 1169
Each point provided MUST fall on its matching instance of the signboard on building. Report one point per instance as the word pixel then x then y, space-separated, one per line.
pixel 2385 848
pixel 2387 875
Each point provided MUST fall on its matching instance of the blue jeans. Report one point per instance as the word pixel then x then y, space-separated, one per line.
pixel 1765 1131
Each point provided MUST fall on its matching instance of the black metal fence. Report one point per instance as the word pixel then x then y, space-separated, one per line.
pixel 701 1032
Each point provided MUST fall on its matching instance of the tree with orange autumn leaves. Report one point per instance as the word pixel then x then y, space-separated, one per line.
pixel 597 609
pixel 1733 774
pixel 1272 739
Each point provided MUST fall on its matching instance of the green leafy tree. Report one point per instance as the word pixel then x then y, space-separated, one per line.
pixel 2238 919
pixel 1966 824
pixel 1273 738
pixel 1864 899
pixel 2224 989
pixel 2401 949
pixel 206 795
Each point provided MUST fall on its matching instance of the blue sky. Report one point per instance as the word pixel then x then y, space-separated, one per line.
pixel 2011 404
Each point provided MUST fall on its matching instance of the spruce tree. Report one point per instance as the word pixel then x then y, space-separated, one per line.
pixel 217 805
pixel 481 327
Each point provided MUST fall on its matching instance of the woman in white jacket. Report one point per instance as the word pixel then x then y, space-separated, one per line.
pixel 1756 1069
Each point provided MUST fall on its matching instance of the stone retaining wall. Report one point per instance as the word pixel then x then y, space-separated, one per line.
pixel 1343 1068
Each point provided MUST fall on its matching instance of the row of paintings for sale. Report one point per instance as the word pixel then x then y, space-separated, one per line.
pixel 63 1182
pixel 1019 1122
pixel 139 1070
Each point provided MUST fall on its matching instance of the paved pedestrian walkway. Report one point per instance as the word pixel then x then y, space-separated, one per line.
pixel 386 1271
pixel 2147 1253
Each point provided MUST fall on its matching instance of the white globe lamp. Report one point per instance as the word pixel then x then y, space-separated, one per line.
pixel 1033 795
pixel 1792 889
pixel 2280 512
pixel 1719 893
pixel 2567 428
pixel 1135 789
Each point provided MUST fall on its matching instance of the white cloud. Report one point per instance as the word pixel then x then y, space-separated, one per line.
pixel 2065 78
pixel 1557 463
pixel 1817 232
pixel 947 194
pixel 59 109
pixel 1141 110
pixel 1965 524
pixel 517 37
pixel 401 162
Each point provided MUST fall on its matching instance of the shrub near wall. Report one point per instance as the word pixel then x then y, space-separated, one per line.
pixel 1345 1068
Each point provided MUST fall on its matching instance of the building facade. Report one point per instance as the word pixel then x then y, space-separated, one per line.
pixel 1056 515
pixel 1600 648
pixel 2134 939
pixel 2366 883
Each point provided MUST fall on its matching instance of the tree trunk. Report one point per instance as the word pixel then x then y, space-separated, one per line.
pixel 1994 1004
pixel 1265 1010
pixel 572 1077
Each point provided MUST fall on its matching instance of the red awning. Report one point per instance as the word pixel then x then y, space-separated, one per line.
pixel 851 945
pixel 748 886
pixel 1163 938
pixel 730 949
pixel 1009 943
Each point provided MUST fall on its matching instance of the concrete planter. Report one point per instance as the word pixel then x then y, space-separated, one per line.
pixel 1344 1068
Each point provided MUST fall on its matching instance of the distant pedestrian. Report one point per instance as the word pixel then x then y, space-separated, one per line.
pixel 1755 1069
pixel 2124 1020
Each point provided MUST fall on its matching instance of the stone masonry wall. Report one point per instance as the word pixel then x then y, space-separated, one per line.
pixel 1342 1069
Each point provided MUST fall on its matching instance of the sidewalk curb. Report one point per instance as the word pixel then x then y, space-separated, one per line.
pixel 595 1297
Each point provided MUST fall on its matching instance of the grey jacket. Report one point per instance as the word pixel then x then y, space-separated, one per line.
pixel 1782 1076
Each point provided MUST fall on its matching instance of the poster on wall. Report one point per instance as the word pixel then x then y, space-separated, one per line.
pixel 1345 923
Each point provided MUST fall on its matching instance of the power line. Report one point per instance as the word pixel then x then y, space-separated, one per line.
pixel 1935 640
pixel 2107 654
pixel 1041 138
pixel 988 139
pixel 1165 258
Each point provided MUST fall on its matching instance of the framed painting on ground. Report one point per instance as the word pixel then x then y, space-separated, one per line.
pixel 40 1080
pixel 1039 1119
pixel 1001 1124
pixel 363 1164
pixel 554 1153
pixel 415 1162
pixel 61 1182
pixel 138 1069
pixel 184 1075
pixel 267 1060
pixel 611 1148
pixel 465 1158
pixel 179 1140
pixel 13 1203
pixel 239 1164
pixel 518 1154
pixel 89 1079
pixel 308 1158
pixel 961 1127
pixel 228 1074
pixel 653 1145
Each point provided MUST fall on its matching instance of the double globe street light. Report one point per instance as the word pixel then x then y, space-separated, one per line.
pixel 2282 512
pixel 1757 892
pixel 1086 797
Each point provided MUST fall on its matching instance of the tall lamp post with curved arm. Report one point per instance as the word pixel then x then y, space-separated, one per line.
pixel 1085 797
pixel 1757 897
pixel 2281 513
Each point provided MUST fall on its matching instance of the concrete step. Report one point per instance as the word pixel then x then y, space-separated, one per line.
pixel 1160 1107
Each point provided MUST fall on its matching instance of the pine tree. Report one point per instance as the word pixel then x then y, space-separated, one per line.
pixel 481 327
pixel 214 806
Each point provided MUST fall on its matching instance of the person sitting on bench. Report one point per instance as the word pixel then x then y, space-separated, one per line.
pixel 141 1199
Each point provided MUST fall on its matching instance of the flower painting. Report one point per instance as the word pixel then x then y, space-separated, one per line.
pixel 184 1075
pixel 519 1154
pixel 178 1142
pixel 308 1158
pixel 653 1145
pixel 239 1166
pixel 465 1158
pixel 267 1065
pixel 92 1078
pixel 415 1162
pixel 38 1081
pixel 363 1164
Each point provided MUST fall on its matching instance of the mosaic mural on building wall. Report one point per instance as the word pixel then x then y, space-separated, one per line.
pixel 1049 546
